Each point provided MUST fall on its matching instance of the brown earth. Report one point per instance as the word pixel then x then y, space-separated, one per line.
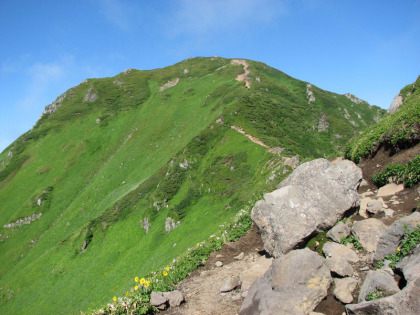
pixel 201 288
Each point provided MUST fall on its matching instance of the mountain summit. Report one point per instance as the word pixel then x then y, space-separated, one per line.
pixel 121 175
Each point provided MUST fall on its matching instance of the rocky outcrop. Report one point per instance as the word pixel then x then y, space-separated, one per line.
pixel 294 284
pixel 312 199
pixel 91 95
pixel 310 93
pixel 396 103
pixel 354 99
pixel 49 109
pixel 169 84
pixel 145 224
pixel 171 224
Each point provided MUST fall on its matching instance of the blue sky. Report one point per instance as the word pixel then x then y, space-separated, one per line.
pixel 368 48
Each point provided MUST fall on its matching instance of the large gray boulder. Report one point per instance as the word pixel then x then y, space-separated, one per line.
pixel 378 280
pixel 312 199
pixel 389 241
pixel 368 232
pixel 410 265
pixel 294 284
pixel 406 302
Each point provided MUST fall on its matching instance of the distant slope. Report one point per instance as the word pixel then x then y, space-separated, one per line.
pixel 114 157
pixel 396 131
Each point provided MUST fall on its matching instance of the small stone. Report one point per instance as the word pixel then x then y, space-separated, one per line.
pixel 338 232
pixel 389 213
pixel 240 256
pixel 175 297
pixel 158 298
pixel 230 284
pixel 339 266
pixel 219 256
pixel 331 249
pixel 219 263
pixel 344 288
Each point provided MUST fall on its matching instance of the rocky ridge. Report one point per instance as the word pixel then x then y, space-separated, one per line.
pixel 299 280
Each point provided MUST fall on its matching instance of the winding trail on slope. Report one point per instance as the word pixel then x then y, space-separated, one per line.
pixel 243 76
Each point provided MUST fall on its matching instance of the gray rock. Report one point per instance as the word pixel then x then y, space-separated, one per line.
pixel 248 276
pixel 339 231
pixel 218 263
pixel 294 284
pixel 344 288
pixel 389 189
pixel 158 298
pixel 378 280
pixel 396 103
pixel 389 241
pixel 410 265
pixel 311 200
pixel 230 284
pixel 175 297
pixel 331 249
pixel 406 302
pixel 368 233
pixel 339 266
pixel 375 206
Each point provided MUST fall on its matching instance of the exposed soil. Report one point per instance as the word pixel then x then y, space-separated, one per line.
pixel 201 289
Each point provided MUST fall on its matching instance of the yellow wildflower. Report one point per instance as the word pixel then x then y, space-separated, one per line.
pixel 198 244
pixel 165 273
pixel 142 280
pixel 399 249
pixel 114 298
pixel 167 268
pixel 136 279
pixel 126 293
pixel 136 287
pixel 146 285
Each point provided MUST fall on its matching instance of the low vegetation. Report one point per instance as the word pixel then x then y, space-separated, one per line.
pixel 410 240
pixel 407 174
pixel 396 131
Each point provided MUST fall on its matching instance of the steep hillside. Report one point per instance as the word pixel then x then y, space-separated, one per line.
pixel 398 130
pixel 120 175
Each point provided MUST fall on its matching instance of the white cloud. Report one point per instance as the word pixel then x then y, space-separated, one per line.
pixel 200 17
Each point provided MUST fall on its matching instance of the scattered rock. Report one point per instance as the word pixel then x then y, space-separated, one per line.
pixel 339 231
pixel 294 284
pixel 230 284
pixel 218 263
pixel 161 299
pixel 390 189
pixel 339 266
pixel 405 302
pixel 312 199
pixel 375 206
pixel 171 224
pixel 331 249
pixel 368 233
pixel 90 96
pixel 169 84
pixel 240 256
pixel 378 280
pixel 390 239
pixel 293 162
pixel 344 288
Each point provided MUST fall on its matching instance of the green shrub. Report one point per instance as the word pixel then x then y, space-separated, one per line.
pixel 408 174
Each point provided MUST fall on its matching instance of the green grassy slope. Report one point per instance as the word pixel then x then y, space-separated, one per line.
pixel 119 150
pixel 396 131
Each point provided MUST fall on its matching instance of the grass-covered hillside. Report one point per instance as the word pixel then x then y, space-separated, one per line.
pixel 93 194
pixel 396 131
